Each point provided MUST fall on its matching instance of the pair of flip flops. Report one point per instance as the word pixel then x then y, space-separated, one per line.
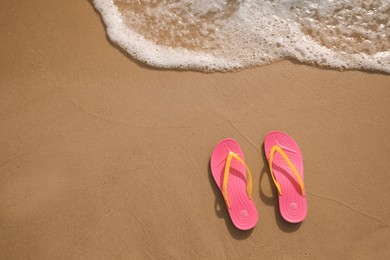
pixel 234 179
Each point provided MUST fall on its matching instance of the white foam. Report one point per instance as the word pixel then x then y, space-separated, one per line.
pixel 234 34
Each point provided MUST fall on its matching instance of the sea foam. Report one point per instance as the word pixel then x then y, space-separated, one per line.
pixel 223 35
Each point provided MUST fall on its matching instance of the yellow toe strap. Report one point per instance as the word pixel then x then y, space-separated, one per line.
pixel 226 176
pixel 278 149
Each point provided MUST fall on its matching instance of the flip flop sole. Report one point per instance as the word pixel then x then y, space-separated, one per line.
pixel 242 210
pixel 292 205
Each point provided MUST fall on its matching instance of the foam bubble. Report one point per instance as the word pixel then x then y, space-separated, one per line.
pixel 234 34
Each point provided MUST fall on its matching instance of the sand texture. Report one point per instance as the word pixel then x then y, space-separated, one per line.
pixel 103 157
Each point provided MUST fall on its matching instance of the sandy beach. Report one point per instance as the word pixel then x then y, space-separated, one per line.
pixel 103 157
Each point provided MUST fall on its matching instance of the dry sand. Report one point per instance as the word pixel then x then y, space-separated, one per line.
pixel 104 158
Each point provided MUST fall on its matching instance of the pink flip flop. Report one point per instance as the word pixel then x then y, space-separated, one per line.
pixel 286 167
pixel 235 183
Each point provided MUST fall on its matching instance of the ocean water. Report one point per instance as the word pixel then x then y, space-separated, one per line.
pixel 220 35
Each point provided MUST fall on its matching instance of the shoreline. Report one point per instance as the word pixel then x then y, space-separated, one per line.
pixel 104 157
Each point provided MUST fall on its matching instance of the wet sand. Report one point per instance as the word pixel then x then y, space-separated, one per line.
pixel 103 157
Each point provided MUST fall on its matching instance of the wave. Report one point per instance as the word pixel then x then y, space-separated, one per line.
pixel 222 35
